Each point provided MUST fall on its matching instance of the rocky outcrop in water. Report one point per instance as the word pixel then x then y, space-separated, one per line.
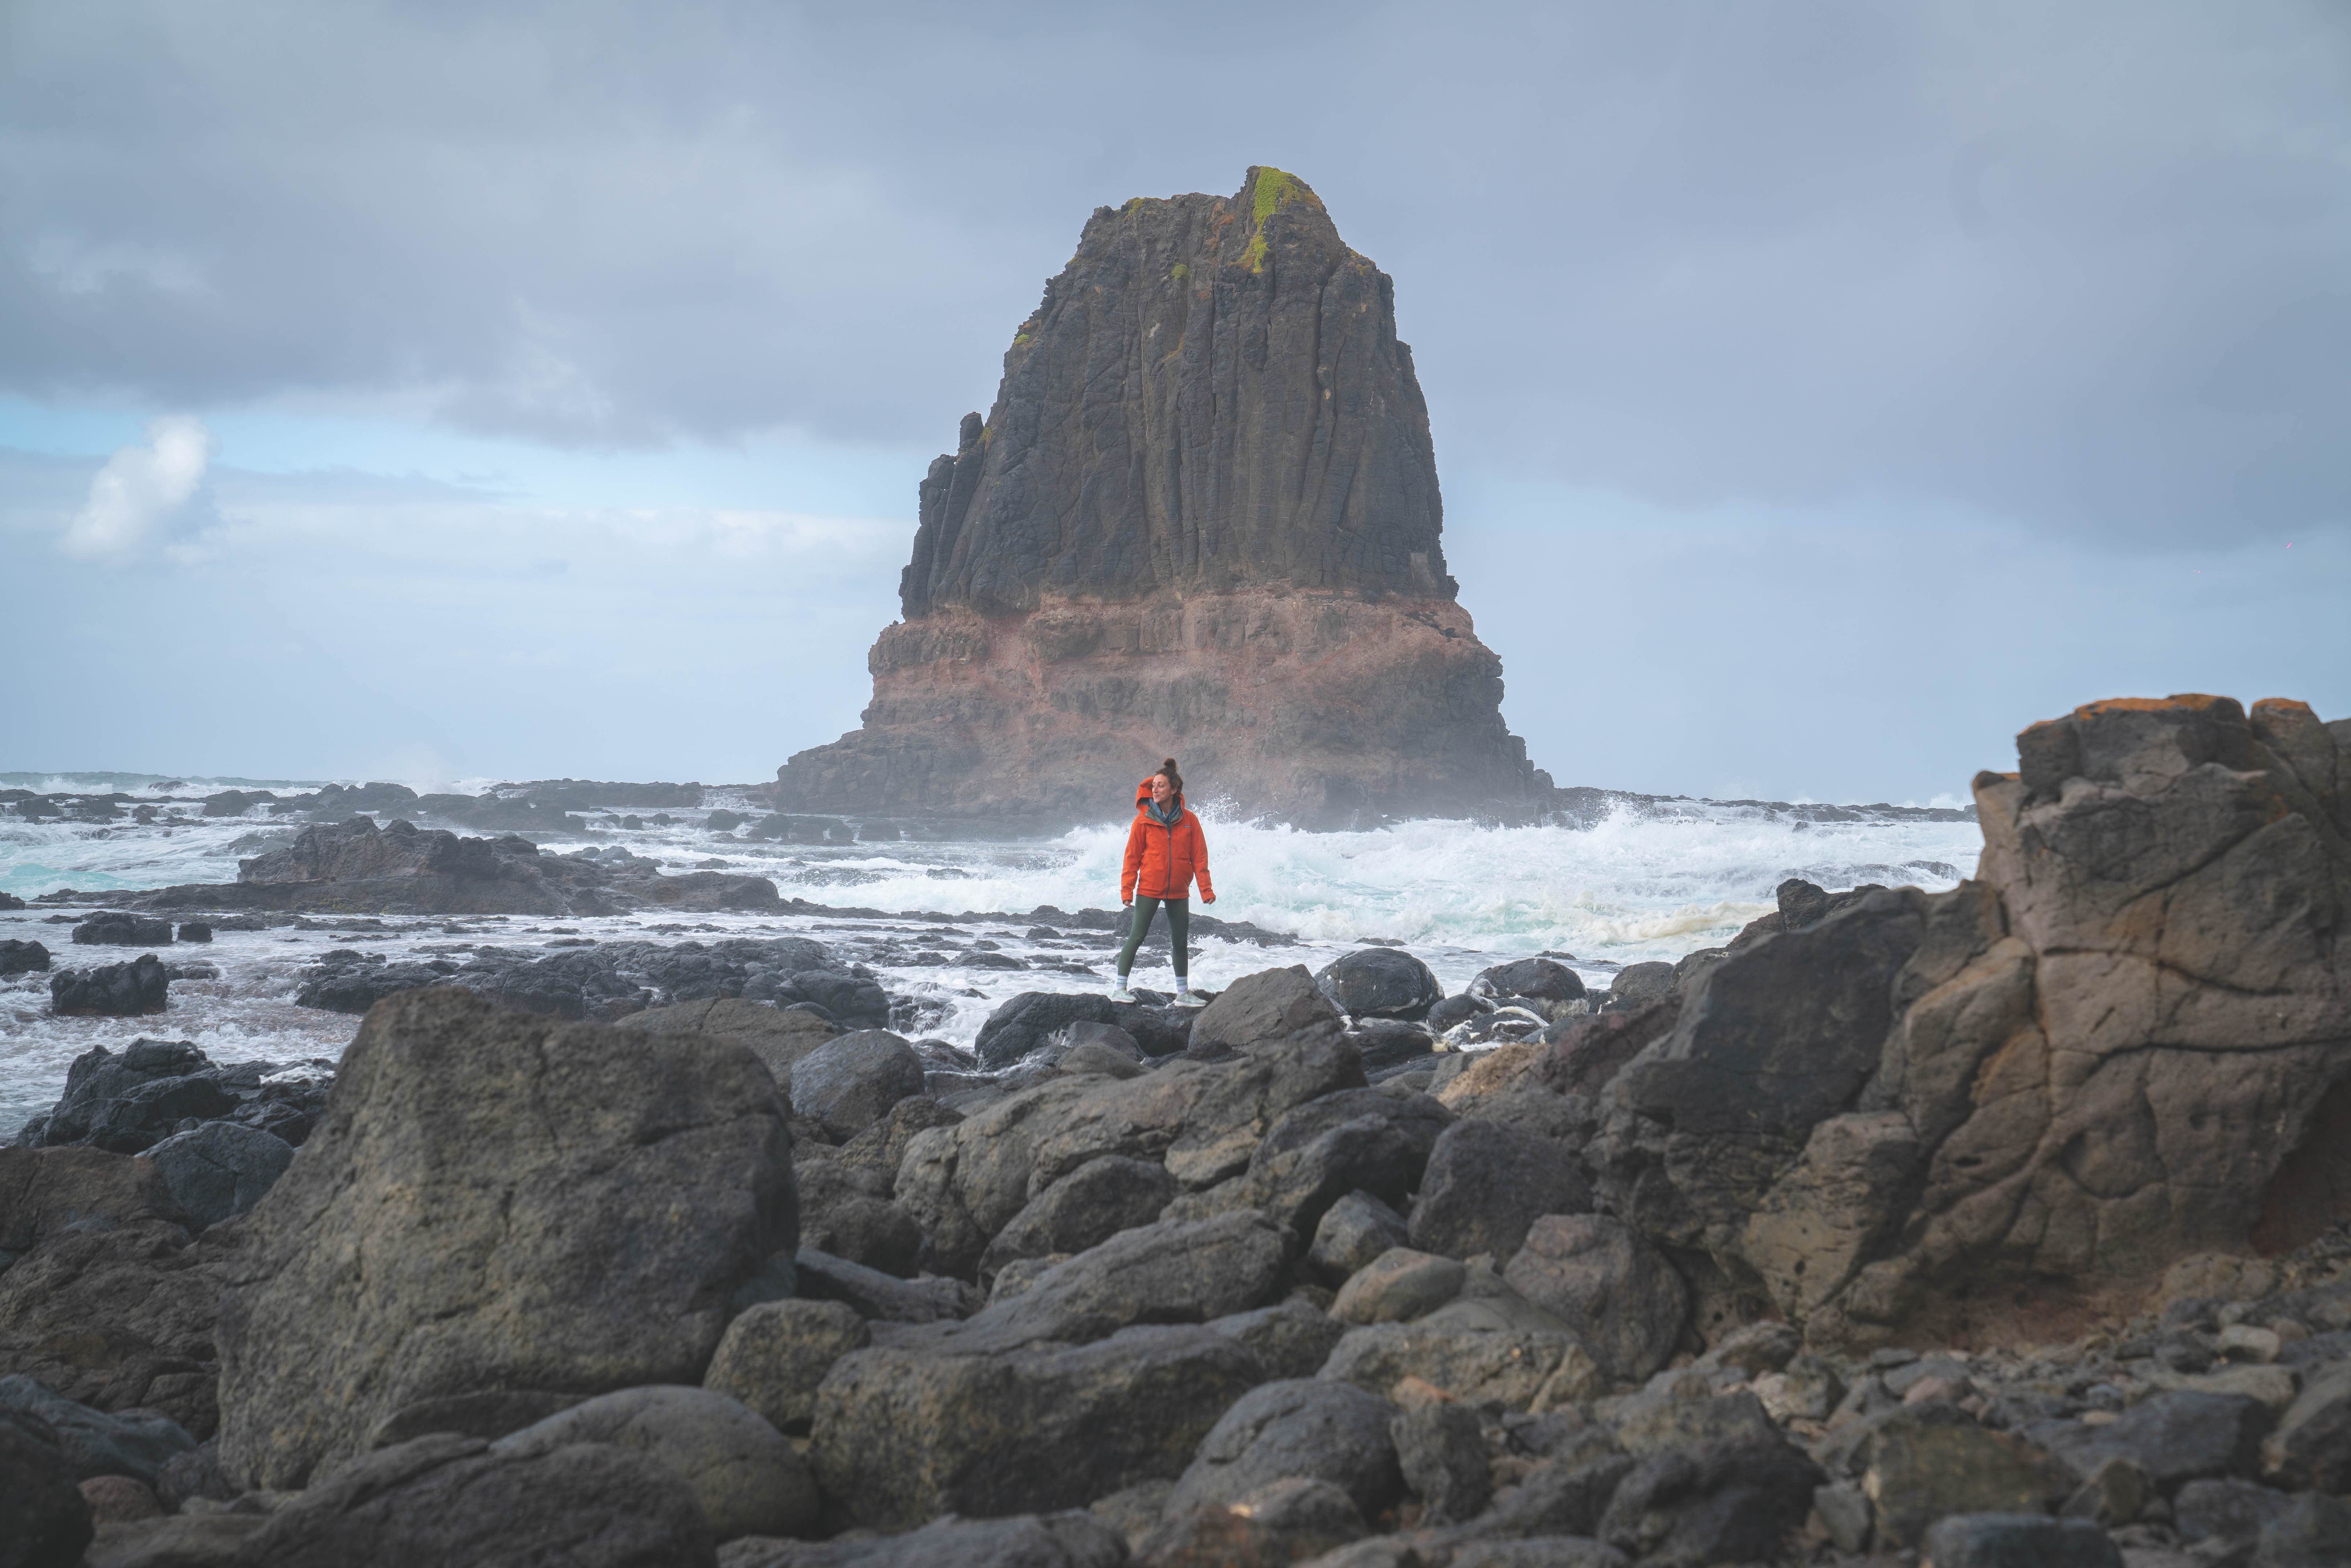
pixel 1202 518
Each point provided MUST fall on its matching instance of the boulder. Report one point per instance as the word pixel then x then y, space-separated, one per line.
pixel 499 1201
pixel 1595 1272
pixel 903 1434
pixel 137 1443
pixel 848 1084
pixel 1441 1450
pixel 1397 1286
pixel 447 1499
pixel 115 990
pixel 1636 985
pixel 1530 1371
pixel 1918 1463
pixel 777 1036
pixel 118 1499
pixel 489 1415
pixel 219 1170
pixel 884 1298
pixel 1565 1496
pixel 1485 1186
pixel 1170 1271
pixel 1286 1520
pixel 1682 1409
pixel 1390 1043
pixel 1293 1338
pixel 845 1210
pixel 1271 1007
pixel 1303 1428
pixel 1352 1232
pixel 195 931
pixel 748 1477
pixel 2311 1445
pixel 1024 1024
pixel 1536 979
pixel 2314 1530
pixel 1737 1502
pixel 2176 1437
pixel 1073 1538
pixel 117 929
pixel 1082 1209
pixel 45 1521
pixel 2018 1541
pixel 776 1352
pixel 22 958
pixel 2107 1054
pixel 1354 1140
pixel 1379 982
pixel 107 1304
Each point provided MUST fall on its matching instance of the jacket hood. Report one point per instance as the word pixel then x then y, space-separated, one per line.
pixel 1143 794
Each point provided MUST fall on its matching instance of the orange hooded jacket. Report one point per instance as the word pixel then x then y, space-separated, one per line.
pixel 1162 858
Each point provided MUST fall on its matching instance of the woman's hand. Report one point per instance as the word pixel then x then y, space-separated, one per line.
pixel 1208 898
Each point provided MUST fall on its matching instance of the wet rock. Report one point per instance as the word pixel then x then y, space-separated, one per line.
pixel 446 1499
pixel 1593 1271
pixel 2018 1541
pixel 1379 982
pixel 1485 1186
pixel 22 958
pixel 115 990
pixel 464 1147
pixel 219 1170
pixel 1390 1043
pixel 1272 1006
pixel 1441 1449
pixel 117 929
pixel 749 1479
pixel 45 1521
pixel 1301 1428
pixel 1081 1210
pixel 849 1083
pixel 1024 1023
pixel 776 1352
pixel 136 1443
pixel 1733 1501
pixel 1397 1286
pixel 903 1434
pixel 1532 979
pixel 1353 1231
pixel 1636 984
pixel 195 931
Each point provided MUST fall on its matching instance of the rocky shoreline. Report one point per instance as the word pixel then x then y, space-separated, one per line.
pixel 2001 1225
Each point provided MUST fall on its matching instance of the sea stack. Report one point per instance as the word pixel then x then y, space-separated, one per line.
pixel 1201 520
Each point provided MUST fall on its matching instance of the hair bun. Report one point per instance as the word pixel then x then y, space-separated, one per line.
pixel 1167 765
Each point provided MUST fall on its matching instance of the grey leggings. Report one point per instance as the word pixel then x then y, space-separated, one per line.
pixel 1179 931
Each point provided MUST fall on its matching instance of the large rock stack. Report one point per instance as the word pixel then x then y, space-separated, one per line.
pixel 1202 520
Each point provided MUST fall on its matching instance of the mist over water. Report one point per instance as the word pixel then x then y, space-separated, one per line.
pixel 1644 882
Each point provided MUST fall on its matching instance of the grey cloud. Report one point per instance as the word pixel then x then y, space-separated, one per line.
pixel 2087 268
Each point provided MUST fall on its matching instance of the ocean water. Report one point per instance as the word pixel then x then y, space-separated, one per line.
pixel 1647 882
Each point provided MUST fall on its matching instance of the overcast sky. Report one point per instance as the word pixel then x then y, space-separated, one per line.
pixel 1822 392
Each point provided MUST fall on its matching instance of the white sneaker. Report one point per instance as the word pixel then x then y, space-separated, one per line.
pixel 1186 1000
pixel 1120 994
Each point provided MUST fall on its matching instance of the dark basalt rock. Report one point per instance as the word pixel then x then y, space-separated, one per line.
pixel 127 1103
pixel 22 958
pixel 1379 982
pixel 116 929
pixel 117 990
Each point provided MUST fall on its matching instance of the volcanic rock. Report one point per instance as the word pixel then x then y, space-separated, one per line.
pixel 497 1201
pixel 1202 518
pixel 115 990
pixel 2010 1107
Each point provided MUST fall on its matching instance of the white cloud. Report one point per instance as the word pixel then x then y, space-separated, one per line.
pixel 142 492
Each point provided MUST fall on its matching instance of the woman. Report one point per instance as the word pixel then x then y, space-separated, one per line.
pixel 1164 851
